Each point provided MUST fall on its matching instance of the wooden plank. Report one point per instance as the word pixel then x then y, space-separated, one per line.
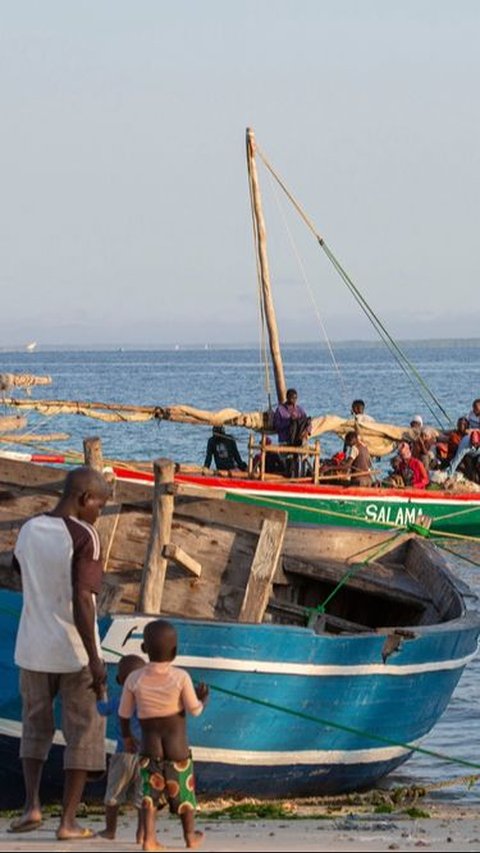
pixel 263 568
pixel 233 514
pixel 189 490
pixel 394 585
pixel 155 566
pixel 110 596
pixel 106 527
pixel 182 559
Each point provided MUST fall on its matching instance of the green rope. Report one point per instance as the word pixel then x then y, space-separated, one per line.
pixel 457 554
pixel 339 726
pixel 356 567
pixel 391 344
pixel 350 729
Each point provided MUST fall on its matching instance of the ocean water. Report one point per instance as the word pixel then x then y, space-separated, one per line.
pixel 214 378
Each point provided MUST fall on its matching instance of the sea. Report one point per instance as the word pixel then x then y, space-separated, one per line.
pixel 440 386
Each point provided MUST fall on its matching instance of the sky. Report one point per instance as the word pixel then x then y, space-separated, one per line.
pixel 124 211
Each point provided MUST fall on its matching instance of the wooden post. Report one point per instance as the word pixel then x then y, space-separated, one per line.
pixel 316 462
pixel 108 521
pixel 268 305
pixel 155 566
pixel 263 445
pixel 251 442
pixel 92 450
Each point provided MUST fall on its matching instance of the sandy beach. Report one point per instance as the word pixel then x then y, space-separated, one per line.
pixel 450 827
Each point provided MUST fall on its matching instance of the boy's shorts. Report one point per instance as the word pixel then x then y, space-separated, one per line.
pixel 168 781
pixel 123 782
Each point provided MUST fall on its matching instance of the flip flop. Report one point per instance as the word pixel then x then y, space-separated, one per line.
pixel 78 835
pixel 24 826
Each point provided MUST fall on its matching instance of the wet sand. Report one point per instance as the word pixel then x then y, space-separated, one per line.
pixel 451 827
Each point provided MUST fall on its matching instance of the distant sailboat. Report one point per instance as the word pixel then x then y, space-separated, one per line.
pixel 31 347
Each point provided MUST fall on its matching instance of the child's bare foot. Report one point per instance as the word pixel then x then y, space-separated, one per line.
pixel 107 833
pixel 140 836
pixel 194 839
pixel 153 845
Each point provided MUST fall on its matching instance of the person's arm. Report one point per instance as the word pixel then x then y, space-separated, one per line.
pixel 129 744
pixel 236 455
pixel 84 617
pixel 191 702
pixel 125 712
pixel 87 575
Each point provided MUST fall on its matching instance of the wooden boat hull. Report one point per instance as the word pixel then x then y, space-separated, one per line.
pixel 242 746
pixel 379 509
pixel 310 505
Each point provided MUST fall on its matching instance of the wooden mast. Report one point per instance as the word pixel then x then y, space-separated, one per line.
pixel 268 305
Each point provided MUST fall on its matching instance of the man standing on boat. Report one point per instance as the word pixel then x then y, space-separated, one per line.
pixel 292 425
pixel 58 647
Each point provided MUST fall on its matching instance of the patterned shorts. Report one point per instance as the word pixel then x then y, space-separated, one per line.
pixel 169 782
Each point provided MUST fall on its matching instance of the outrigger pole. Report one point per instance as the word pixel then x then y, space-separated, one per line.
pixel 267 300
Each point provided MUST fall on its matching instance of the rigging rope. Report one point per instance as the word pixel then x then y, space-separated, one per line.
pixel 311 295
pixel 364 733
pixel 401 358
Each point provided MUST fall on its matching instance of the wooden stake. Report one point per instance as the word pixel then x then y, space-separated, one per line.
pixel 264 565
pixel 92 449
pixel 155 566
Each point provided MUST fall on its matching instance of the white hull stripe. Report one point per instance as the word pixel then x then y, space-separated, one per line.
pixel 13 728
pixel 310 670
pixel 373 499
pixel 252 758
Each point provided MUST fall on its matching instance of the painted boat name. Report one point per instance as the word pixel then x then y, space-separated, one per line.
pixel 392 514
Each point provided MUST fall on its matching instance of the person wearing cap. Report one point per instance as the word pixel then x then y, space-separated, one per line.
pixel 423 442
pixel 468 453
pixel 416 422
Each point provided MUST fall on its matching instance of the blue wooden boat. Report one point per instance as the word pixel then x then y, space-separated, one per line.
pixel 354 657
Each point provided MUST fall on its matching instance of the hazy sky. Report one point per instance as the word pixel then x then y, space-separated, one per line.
pixel 124 207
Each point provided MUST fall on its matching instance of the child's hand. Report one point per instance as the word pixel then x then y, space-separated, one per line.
pixel 129 744
pixel 202 692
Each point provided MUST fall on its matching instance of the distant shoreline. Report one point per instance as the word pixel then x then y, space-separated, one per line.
pixel 197 347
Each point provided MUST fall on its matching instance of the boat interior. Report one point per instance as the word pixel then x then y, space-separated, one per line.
pixel 237 562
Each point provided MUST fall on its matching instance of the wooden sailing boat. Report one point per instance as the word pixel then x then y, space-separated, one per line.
pixel 346 628
pixel 317 501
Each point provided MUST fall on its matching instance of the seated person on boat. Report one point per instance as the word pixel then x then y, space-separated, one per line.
pixel 222 447
pixel 447 443
pixel 358 412
pixel 358 461
pixel 274 464
pixel 468 456
pixel 474 415
pixel 411 470
pixel 424 446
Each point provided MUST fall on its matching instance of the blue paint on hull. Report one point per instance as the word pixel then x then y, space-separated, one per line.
pixel 245 747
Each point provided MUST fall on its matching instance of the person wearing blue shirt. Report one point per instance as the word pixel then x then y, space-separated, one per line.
pixel 123 781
